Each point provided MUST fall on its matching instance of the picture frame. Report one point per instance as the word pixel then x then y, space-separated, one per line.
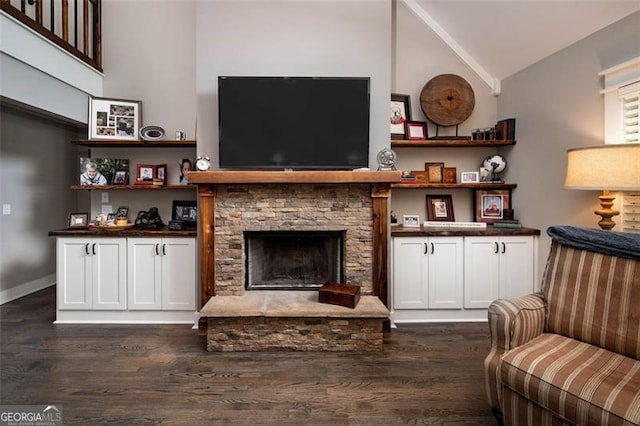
pixel 161 172
pixel 78 220
pixel 122 211
pixel 120 177
pixel 114 118
pixel 145 173
pixel 399 114
pixel 449 175
pixel 469 177
pixel 411 221
pixel 434 172
pixel 440 208
pixel 185 211
pixel 491 203
pixel 416 130
pixel 102 171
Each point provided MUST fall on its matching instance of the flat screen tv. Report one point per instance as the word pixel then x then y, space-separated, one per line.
pixel 293 122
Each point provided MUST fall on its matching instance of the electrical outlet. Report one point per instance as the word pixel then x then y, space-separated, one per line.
pixel 6 209
pixel 105 197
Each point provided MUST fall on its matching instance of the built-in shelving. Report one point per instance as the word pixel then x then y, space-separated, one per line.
pixel 134 187
pixel 450 143
pixel 115 143
pixel 410 185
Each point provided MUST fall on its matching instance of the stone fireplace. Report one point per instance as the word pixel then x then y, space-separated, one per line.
pixel 339 219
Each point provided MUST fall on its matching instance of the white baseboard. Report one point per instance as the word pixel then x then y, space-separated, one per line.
pixel 25 289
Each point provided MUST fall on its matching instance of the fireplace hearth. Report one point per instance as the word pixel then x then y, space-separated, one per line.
pixel 293 260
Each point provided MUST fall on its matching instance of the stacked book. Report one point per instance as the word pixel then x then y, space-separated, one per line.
pixel 504 223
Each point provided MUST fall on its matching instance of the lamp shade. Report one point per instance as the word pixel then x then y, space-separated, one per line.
pixel 613 167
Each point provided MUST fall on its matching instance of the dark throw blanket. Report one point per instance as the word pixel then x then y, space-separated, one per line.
pixel 620 244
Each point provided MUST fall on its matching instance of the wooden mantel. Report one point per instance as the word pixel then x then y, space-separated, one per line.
pixel 208 182
pixel 261 177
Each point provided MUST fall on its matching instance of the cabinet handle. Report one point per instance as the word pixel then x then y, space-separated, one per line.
pixel 426 248
pixel 157 252
pixel 164 249
pixel 497 250
pixel 93 248
pixel 504 248
pixel 433 248
pixel 86 249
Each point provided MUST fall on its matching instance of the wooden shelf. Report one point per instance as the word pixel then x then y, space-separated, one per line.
pixel 134 187
pixel 450 143
pixel 302 177
pixel 124 143
pixel 405 185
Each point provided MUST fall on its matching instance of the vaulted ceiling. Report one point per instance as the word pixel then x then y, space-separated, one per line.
pixel 504 37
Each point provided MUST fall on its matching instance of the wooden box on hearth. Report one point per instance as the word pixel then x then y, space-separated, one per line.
pixel 339 294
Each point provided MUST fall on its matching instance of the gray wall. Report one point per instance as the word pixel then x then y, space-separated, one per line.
pixel 36 163
pixel 558 105
pixel 310 38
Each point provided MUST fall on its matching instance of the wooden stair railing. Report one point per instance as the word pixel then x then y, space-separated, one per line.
pixel 74 25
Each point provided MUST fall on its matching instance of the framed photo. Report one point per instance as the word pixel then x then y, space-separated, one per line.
pixel 416 130
pixel 102 171
pixel 186 211
pixel 78 220
pixel 434 172
pixel 145 173
pixel 399 114
pixel 122 212
pixel 469 177
pixel 440 208
pixel 449 175
pixel 114 118
pixel 411 221
pixel 120 177
pixel 161 172
pixel 491 204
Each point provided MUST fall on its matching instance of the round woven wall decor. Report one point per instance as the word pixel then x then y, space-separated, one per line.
pixel 447 100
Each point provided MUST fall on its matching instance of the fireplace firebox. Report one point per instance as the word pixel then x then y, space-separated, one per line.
pixel 293 260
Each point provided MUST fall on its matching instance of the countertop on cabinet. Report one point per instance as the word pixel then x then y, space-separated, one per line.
pixel 129 232
pixel 400 231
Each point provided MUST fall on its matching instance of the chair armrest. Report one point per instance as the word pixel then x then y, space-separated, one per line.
pixel 512 322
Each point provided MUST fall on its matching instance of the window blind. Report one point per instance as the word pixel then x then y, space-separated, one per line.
pixel 630 102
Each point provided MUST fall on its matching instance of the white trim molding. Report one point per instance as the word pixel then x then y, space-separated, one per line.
pixel 27 288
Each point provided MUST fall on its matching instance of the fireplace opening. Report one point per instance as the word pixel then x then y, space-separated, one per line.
pixel 293 260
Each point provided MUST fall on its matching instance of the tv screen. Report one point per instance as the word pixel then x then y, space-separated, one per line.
pixel 293 122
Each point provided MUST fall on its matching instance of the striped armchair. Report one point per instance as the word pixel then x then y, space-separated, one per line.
pixel 571 354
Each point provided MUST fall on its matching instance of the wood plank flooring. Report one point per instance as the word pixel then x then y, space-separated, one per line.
pixel 429 374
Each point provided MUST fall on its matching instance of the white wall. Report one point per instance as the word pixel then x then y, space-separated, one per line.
pixel 558 105
pixel 293 38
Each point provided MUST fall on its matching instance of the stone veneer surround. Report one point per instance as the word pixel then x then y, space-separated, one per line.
pixel 283 207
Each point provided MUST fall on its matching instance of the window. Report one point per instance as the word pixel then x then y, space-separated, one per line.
pixel 622 125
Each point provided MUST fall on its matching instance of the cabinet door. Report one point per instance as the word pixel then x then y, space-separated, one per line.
pixel 516 266
pixel 73 275
pixel 445 272
pixel 481 271
pixel 109 276
pixel 409 273
pixel 144 269
pixel 178 273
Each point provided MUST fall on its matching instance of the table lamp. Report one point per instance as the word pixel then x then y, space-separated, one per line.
pixel 609 167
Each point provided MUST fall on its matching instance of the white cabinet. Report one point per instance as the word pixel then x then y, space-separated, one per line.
pixel 91 273
pixel 497 267
pixel 427 272
pixel 161 273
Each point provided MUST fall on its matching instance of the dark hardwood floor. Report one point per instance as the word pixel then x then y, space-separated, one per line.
pixel 161 374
